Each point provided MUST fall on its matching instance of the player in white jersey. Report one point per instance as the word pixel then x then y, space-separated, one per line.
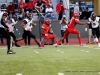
pixel 12 27
pixel 95 27
pixel 26 26
pixel 5 33
pixel 27 40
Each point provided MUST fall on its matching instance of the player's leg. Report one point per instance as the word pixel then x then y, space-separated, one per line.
pixel 62 34
pixel 25 41
pixel 74 31
pixel 34 37
pixel 14 38
pixel 6 35
pixel 90 35
pixel 97 33
pixel 29 40
pixel 65 36
pixel 52 36
pixel 1 38
pixel 23 37
pixel 94 34
pixel 11 43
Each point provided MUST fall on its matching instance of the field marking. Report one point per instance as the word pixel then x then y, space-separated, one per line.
pixel 58 50
pixel 17 47
pixel 86 46
pixel 19 74
pixel 96 48
pixel 3 48
pixel 86 51
pixel 62 51
pixel 36 51
pixel 82 50
pixel 60 73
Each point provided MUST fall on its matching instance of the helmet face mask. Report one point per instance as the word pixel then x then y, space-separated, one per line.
pixel 5 15
pixel 29 16
pixel 47 21
pixel 25 21
pixel 93 17
pixel 15 17
pixel 76 14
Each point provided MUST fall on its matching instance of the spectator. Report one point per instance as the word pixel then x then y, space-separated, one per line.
pixel 60 9
pixel 49 12
pixel 64 24
pixel 50 3
pixel 71 12
pixel 39 5
pixel 35 1
pixel 76 8
pixel 30 6
pixel 11 9
pixel 86 14
pixel 15 5
pixel 22 6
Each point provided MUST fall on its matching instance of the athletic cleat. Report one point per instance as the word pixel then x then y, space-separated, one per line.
pixel 11 52
pixel 81 45
pixel 55 44
pixel 17 45
pixel 41 47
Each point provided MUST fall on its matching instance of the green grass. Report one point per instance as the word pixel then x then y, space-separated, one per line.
pixel 66 59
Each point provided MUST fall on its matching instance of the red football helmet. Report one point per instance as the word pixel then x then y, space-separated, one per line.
pixel 76 14
pixel 47 21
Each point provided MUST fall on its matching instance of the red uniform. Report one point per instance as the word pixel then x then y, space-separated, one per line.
pixel 71 29
pixel 45 33
pixel 71 26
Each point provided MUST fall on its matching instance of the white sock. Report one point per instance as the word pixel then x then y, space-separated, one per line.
pixel 96 39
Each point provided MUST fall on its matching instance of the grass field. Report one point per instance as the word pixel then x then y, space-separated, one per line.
pixel 65 59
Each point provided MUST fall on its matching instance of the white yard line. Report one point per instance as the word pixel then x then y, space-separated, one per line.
pixel 3 48
pixel 60 73
pixel 86 51
pixel 19 74
pixel 58 50
pixel 36 51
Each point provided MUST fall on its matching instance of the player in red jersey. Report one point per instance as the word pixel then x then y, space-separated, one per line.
pixel 70 29
pixel 47 32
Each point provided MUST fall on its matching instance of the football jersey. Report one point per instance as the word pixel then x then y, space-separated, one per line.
pixel 46 28
pixel 11 24
pixel 1 13
pixel 72 23
pixel 95 23
pixel 28 25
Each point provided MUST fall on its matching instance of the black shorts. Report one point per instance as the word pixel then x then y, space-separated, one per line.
pixel 95 31
pixel 29 34
pixel 4 33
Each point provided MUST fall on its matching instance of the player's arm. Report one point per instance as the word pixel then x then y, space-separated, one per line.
pixel 50 30
pixel 81 23
pixel 42 29
pixel 15 27
pixel 60 21
pixel 23 26
pixel 63 20
pixel 3 23
pixel 33 24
